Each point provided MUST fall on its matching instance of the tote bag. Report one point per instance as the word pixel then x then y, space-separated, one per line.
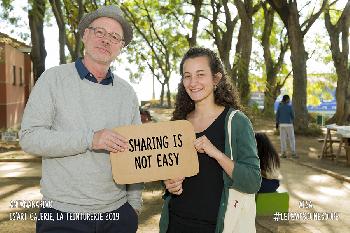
pixel 240 213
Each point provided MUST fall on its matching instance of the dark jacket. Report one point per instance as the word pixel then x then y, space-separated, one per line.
pixel 285 114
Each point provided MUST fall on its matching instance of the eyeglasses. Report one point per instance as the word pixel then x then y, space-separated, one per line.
pixel 101 32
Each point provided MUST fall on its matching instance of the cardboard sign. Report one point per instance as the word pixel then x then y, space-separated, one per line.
pixel 157 151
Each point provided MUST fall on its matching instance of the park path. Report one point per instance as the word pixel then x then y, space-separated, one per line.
pixel 325 193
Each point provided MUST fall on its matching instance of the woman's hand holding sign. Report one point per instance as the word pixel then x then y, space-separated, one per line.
pixel 174 186
pixel 109 140
pixel 204 145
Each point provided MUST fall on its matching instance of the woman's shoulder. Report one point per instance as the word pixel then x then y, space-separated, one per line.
pixel 236 115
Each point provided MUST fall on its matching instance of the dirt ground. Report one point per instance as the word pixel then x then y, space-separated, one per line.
pixel 20 176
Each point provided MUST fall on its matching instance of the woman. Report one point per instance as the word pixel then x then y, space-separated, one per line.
pixel 206 99
pixel 284 120
pixel 269 164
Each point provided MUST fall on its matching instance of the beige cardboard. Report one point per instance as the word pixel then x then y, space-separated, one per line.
pixel 155 161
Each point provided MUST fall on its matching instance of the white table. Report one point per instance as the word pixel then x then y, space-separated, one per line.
pixel 343 133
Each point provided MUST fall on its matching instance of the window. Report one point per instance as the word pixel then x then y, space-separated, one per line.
pixel 20 76
pixel 14 75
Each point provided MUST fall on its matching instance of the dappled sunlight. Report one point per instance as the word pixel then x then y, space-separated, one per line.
pixel 8 188
pixel 319 179
pixel 150 213
pixel 347 185
pixel 15 154
pixel 15 174
pixel 332 191
pixel 29 193
pixel 152 194
pixel 12 153
pixel 313 149
pixel 152 219
pixel 267 131
pixel 19 169
pixel 11 166
pixel 320 197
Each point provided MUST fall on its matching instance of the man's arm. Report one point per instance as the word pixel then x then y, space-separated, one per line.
pixel 37 135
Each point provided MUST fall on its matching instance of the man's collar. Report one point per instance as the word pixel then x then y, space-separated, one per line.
pixel 84 73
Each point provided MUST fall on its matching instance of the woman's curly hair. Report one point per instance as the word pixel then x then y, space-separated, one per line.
pixel 225 94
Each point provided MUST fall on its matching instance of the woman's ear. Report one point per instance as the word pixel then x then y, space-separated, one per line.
pixel 217 78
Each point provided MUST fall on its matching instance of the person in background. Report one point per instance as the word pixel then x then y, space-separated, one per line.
pixel 145 116
pixel 269 164
pixel 284 121
pixel 207 100
pixel 68 120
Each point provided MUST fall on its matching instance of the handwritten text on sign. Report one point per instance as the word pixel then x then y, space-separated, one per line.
pixel 157 151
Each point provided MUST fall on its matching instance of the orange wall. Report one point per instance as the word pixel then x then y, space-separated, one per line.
pixel 12 106
pixel 3 119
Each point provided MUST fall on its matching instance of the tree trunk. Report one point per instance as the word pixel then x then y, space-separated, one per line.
pixel 57 10
pixel 78 43
pixel 245 37
pixel 272 90
pixel 197 12
pixel 73 38
pixel 289 14
pixel 223 39
pixel 168 96
pixel 341 62
pixel 36 23
pixel 162 95
pixel 298 58
pixel 270 78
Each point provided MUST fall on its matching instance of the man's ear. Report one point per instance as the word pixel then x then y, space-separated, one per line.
pixel 83 38
pixel 217 78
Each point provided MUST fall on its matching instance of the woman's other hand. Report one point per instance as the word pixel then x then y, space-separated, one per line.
pixel 204 145
pixel 174 186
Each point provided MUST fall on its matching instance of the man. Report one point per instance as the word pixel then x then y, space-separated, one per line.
pixel 67 122
pixel 284 120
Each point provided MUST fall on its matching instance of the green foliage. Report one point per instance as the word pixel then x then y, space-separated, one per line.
pixel 319 86
pixel 158 43
pixel 7 8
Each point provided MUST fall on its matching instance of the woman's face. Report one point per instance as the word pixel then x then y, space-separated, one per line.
pixel 198 79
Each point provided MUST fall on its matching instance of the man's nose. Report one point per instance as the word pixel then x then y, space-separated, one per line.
pixel 106 40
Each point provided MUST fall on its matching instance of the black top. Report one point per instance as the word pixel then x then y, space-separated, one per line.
pixel 200 199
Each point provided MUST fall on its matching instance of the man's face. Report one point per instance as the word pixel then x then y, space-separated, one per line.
pixel 103 49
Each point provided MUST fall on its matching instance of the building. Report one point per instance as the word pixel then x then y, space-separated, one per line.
pixel 16 80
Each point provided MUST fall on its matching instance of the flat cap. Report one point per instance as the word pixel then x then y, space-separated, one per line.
pixel 111 11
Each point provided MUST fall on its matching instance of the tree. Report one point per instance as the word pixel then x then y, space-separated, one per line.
pixel 158 39
pixel 67 17
pixel 339 38
pixel 192 40
pixel 222 33
pixel 36 15
pixel 223 38
pixel 273 65
pixel 36 23
pixel 56 7
pixel 246 9
pixel 289 14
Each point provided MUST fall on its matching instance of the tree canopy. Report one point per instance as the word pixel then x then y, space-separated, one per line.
pixel 262 44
